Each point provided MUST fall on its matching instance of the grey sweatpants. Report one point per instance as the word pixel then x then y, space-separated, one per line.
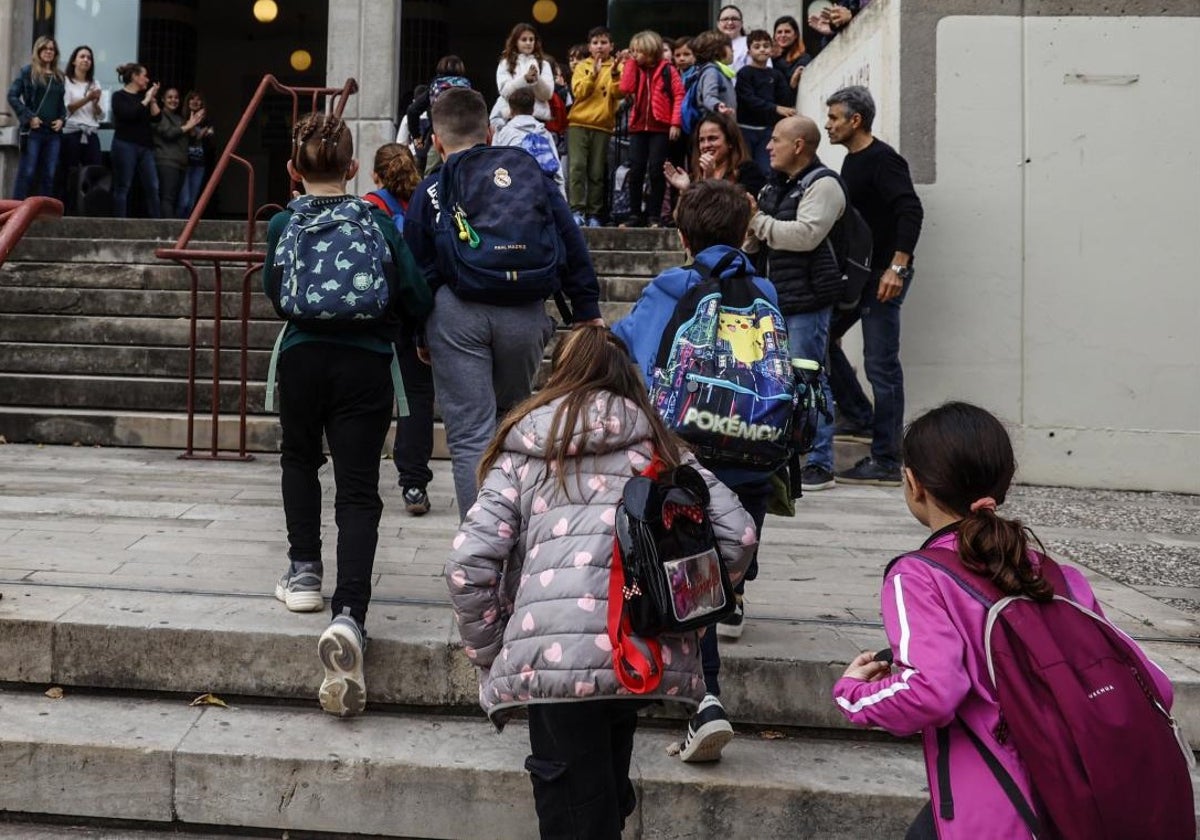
pixel 484 360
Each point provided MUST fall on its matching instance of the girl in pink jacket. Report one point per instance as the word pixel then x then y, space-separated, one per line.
pixel 958 464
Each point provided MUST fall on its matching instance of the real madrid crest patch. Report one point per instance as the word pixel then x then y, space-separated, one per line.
pixel 501 178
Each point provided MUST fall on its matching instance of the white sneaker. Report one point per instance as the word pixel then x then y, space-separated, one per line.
pixel 731 628
pixel 300 587
pixel 708 732
pixel 344 690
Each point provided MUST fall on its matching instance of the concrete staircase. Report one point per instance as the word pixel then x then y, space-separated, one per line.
pixel 94 331
pixel 135 583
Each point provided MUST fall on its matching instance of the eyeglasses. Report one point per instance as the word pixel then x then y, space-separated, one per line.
pixel 729 20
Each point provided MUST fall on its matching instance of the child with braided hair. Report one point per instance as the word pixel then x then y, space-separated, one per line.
pixel 335 380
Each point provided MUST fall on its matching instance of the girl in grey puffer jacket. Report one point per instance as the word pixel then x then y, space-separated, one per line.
pixel 529 577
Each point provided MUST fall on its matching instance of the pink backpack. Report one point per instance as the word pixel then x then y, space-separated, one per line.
pixel 1104 756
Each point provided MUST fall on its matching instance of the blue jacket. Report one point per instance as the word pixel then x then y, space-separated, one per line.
pixel 579 283
pixel 642 330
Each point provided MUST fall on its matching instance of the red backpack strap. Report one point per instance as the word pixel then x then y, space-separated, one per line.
pixel 379 201
pixel 637 662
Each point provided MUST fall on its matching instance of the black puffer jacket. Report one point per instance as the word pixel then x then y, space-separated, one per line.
pixel 805 280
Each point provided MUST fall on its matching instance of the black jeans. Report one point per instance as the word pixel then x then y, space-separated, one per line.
pixel 579 767
pixel 413 446
pixel 647 152
pixel 754 497
pixel 78 150
pixel 345 393
pixel 923 827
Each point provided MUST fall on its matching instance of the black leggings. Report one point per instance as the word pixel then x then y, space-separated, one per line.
pixel 647 151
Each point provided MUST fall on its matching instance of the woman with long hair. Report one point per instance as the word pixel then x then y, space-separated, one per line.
pixel 718 151
pixel 80 140
pixel 523 64
pixel 37 98
pixel 135 110
pixel 172 134
pixel 199 152
pixel 530 570
pixel 792 58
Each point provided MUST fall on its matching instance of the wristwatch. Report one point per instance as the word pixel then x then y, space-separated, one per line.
pixel 904 272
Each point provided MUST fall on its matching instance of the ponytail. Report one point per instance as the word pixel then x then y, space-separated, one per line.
pixel 963 457
pixel 999 548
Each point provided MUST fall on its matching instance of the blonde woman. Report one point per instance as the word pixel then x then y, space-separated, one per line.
pixel 37 98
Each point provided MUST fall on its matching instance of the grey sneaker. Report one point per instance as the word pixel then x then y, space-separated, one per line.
pixel 344 690
pixel 708 732
pixel 300 587
pixel 416 500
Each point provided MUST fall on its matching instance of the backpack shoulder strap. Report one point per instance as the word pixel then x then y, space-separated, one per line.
pixel 948 561
pixel 714 273
pixel 1005 780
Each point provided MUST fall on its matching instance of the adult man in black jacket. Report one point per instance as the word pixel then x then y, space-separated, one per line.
pixel 796 212
pixel 881 189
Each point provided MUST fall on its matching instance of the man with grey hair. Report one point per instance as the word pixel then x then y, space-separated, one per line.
pixel 881 189
pixel 485 352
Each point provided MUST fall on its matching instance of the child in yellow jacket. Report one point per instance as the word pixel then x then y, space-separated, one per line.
pixel 594 86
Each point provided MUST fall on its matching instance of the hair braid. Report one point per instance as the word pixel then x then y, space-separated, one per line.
pixel 321 146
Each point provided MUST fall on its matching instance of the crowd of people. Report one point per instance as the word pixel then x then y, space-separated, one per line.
pixel 432 275
pixel 162 144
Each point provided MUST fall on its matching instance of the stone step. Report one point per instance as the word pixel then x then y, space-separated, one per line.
pixel 61 828
pixel 167 231
pixel 161 230
pixel 244 643
pixel 129 360
pixel 163 276
pixel 416 776
pixel 97 303
pixel 51 249
pixel 54 249
pixel 148 332
pixel 137 393
pixel 153 429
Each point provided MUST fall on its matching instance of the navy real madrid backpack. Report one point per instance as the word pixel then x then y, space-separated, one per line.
pixel 496 237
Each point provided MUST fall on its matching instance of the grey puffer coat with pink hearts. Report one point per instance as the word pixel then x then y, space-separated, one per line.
pixel 529 571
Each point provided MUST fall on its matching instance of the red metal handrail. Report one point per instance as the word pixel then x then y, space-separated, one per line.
pixel 335 102
pixel 17 216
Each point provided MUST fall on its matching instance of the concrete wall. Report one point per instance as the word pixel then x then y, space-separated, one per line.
pixel 1052 153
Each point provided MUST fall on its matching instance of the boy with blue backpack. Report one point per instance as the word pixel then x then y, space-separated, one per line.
pixel 338 271
pixel 495 239
pixel 717 311
pixel 529 133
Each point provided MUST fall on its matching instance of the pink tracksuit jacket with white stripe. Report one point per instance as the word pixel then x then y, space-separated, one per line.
pixel 936 632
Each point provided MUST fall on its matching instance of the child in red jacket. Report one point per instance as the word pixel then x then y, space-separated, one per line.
pixel 654 120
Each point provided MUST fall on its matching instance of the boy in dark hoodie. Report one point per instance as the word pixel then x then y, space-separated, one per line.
pixel 712 219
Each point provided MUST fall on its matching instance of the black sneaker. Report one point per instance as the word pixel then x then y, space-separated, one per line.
pixel 708 732
pixel 732 627
pixel 416 501
pixel 813 477
pixel 854 434
pixel 870 471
